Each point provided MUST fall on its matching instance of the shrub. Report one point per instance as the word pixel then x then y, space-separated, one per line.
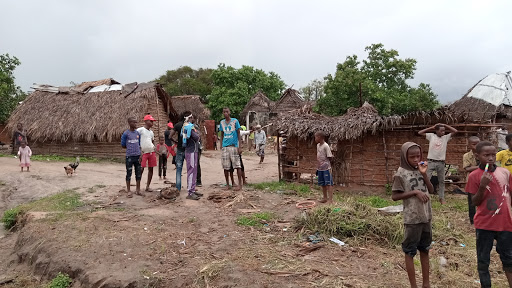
pixel 11 217
pixel 61 281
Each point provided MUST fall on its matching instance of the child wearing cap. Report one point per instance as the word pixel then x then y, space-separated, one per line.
pixel 147 148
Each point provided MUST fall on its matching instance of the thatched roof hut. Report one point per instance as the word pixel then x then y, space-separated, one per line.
pixel 290 100
pixel 366 145
pixel 258 103
pixel 193 104
pixel 92 113
pixel 490 99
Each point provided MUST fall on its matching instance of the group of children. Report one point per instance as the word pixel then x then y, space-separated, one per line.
pixel 488 188
pixel 141 153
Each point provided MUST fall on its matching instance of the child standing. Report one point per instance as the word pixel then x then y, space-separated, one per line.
pixel 147 148
pixel 412 185
pixel 324 156
pixel 470 164
pixel 163 152
pixel 24 153
pixel 504 157
pixel 131 142
pixel 490 186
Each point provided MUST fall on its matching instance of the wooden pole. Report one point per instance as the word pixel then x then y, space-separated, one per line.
pixel 385 154
pixel 360 94
pixel 278 156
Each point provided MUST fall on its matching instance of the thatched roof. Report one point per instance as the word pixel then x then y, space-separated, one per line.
pixel 356 122
pixel 93 116
pixel 289 100
pixel 489 98
pixel 259 102
pixel 191 103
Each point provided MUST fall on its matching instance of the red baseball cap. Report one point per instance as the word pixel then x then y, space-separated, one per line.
pixel 170 125
pixel 149 117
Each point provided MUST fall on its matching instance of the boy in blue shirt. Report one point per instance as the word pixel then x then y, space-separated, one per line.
pixel 131 142
pixel 230 138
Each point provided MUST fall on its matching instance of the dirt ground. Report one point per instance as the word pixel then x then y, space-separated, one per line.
pixel 114 241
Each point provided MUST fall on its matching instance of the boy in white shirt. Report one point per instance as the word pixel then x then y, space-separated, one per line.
pixel 147 148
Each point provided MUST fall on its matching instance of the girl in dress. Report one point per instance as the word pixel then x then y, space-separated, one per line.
pixel 24 153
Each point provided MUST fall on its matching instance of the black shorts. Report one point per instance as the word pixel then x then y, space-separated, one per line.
pixel 417 237
pixel 241 165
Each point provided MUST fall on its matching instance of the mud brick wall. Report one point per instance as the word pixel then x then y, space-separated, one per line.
pixel 370 160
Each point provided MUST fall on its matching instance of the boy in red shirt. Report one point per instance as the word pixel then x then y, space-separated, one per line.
pixel 490 186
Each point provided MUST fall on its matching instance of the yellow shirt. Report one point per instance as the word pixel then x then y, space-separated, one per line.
pixel 469 160
pixel 505 158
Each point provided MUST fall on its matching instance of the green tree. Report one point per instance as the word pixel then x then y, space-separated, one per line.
pixel 382 78
pixel 234 87
pixel 314 90
pixel 187 81
pixel 10 94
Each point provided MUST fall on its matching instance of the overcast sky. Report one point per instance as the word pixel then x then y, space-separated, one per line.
pixel 456 43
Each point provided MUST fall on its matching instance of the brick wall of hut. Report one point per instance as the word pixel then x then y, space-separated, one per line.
pixel 363 161
pixel 5 136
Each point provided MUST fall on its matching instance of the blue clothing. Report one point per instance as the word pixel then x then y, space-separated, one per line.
pixel 180 156
pixel 133 161
pixel 230 132
pixel 187 129
pixel 131 140
pixel 324 178
pixel 193 142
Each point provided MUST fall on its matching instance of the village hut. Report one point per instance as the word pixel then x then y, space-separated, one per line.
pixel 257 110
pixel 194 104
pixel 366 145
pixel 488 101
pixel 88 119
pixel 290 100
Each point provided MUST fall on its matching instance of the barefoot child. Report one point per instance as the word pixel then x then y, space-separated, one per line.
pixel 24 153
pixel 230 139
pixel 412 185
pixel 470 164
pixel 191 140
pixel 131 142
pixel 324 156
pixel 490 187
pixel 163 152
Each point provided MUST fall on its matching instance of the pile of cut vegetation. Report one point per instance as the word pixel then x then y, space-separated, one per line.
pixel 353 219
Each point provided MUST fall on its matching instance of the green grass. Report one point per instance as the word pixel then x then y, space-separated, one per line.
pixel 256 219
pixel 284 187
pixel 60 281
pixel 354 219
pixel 378 202
pixel 64 201
pixel 57 158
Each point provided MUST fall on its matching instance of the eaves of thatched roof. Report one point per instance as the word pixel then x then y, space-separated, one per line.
pixel 95 116
pixel 191 103
pixel 302 123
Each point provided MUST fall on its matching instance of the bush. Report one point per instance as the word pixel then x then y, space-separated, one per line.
pixel 11 217
pixel 61 281
pixel 354 219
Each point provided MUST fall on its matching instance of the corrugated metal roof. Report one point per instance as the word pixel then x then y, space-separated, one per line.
pixel 495 89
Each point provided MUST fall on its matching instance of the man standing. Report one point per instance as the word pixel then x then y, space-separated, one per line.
pixel 230 139
pixel 436 158
pixel 147 137
pixel 261 140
